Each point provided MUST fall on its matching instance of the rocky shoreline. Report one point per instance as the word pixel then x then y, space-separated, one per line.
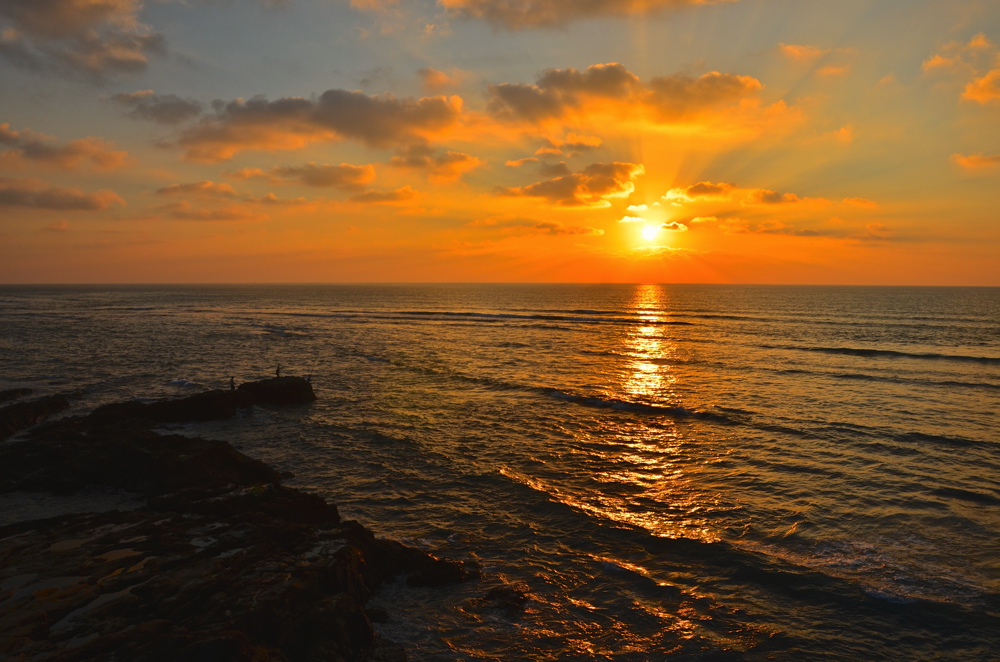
pixel 197 552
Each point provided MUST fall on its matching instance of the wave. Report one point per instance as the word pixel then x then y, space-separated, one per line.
pixel 676 411
pixel 888 379
pixel 890 353
pixel 184 383
pixel 585 317
pixel 967 495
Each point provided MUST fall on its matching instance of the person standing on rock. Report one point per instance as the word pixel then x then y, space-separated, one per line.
pixel 277 373
pixel 232 383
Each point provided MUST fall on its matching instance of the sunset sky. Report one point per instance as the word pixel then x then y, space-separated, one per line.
pixel 730 141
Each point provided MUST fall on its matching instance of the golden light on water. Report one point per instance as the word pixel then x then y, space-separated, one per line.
pixel 648 377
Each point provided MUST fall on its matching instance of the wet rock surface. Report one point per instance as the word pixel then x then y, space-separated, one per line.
pixel 14 394
pixel 221 562
pixel 21 415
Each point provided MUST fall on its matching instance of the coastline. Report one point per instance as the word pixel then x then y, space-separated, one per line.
pixel 194 551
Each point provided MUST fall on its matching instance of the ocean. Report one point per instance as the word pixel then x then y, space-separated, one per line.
pixel 643 472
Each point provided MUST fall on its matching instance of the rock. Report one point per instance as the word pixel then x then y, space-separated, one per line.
pixel 223 563
pixel 14 394
pixel 21 415
pixel 280 391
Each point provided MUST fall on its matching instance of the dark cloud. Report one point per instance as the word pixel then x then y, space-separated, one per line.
pixel 161 108
pixel 444 166
pixel 520 14
pixel 554 169
pixel 385 197
pixel 702 189
pixel 766 197
pixel 344 176
pixel 291 122
pixel 205 188
pixel 27 148
pixel 680 95
pixel 589 188
pixel 38 195
pixel 558 92
pixel 94 38
pixel 521 226
pixel 560 89
pixel 185 211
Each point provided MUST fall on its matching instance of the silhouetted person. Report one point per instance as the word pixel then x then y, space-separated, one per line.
pixel 232 383
pixel 309 379
pixel 277 373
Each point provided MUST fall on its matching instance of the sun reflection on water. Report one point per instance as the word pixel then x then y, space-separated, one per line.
pixel 648 378
pixel 648 472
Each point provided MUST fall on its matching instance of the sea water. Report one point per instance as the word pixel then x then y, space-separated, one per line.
pixel 659 471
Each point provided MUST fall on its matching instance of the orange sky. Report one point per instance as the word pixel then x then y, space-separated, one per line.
pixel 748 141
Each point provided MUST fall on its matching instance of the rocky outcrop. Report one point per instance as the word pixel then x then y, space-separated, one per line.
pixel 21 415
pixel 221 563
pixel 212 405
pixel 14 394
pixel 280 391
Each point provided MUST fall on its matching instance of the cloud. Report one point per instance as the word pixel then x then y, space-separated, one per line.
pixel 57 227
pixel 520 14
pixel 573 145
pixel 976 61
pixel 385 197
pixel 161 108
pixel 681 95
pixel 522 162
pixel 27 148
pixel 345 176
pixel 832 71
pixel 435 81
pixel 592 187
pixel 185 211
pixel 94 38
pixel 205 188
pixel 674 226
pixel 864 203
pixel 725 192
pixel 560 92
pixel 39 195
pixel 802 53
pixel 442 167
pixel 976 161
pixel 293 122
pixel 554 169
pixel 522 226
pixel 984 89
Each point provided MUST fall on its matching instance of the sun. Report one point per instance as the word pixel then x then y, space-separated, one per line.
pixel 650 232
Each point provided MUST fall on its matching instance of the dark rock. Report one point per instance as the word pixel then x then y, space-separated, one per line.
pixel 222 563
pixel 377 614
pixel 67 457
pixel 280 391
pixel 14 394
pixel 21 415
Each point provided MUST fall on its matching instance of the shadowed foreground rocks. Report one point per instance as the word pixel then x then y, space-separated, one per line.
pixel 216 561
pixel 21 415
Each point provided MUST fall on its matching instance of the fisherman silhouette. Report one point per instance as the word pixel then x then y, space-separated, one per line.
pixel 232 383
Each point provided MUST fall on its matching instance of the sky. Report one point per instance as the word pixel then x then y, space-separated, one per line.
pixel 672 141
